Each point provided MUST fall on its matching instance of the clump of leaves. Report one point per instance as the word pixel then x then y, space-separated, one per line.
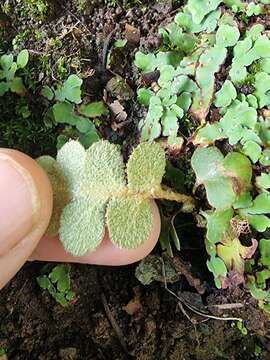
pixel 227 181
pixel 91 192
pixel 69 110
pixel 9 73
pixel 57 283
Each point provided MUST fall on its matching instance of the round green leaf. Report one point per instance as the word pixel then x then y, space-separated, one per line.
pixel 146 167
pixel 263 181
pixel 226 94
pixel 71 159
pixel 129 222
pixel 145 62
pixel 23 58
pixel 94 109
pixel 253 150
pixel 227 35
pixel 104 173
pixel 82 226
pixel 61 193
pixel 265 158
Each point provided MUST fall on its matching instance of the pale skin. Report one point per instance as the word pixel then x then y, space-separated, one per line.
pixel 25 211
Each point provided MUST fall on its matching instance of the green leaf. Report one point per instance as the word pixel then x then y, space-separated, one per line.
pixel 233 254
pixel 71 90
pixel 169 123
pixel 224 179
pixel 265 158
pixel 253 9
pixel 10 74
pixel 253 150
pixel 60 276
pixel 6 62
pixel 259 222
pixel 199 9
pixel 85 125
pixel 244 200
pixel 44 282
pixel 207 164
pixel 61 193
pixel 64 113
pixel 16 86
pixel 220 193
pixel 218 268
pixel 120 43
pixel 239 168
pixel 94 109
pixel 262 89
pixel 238 119
pixel 264 247
pixel 226 94
pixel 144 96
pixel 143 173
pixel 129 222
pixel 227 35
pixel 263 181
pixel 85 231
pixel 47 92
pixel 145 62
pixel 89 138
pixel 151 128
pixel 71 159
pixel 166 75
pixel 218 224
pixel 209 134
pixel 22 58
pixel 184 101
pixel 261 277
pixel 104 170
pixel 261 205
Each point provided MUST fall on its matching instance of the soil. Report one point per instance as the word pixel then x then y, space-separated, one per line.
pixel 113 315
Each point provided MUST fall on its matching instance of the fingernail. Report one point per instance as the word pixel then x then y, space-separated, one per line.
pixel 18 203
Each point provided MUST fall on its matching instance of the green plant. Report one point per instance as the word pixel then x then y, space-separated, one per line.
pixel 66 97
pixel 8 71
pixel 90 191
pixel 36 9
pixel 57 283
pixel 258 351
pixel 195 57
pixel 241 327
pixel 2 351
pixel 228 184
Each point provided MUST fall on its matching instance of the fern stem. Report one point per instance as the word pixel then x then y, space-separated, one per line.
pixel 168 194
pixel 159 193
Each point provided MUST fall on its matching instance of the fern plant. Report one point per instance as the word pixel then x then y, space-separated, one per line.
pixel 91 192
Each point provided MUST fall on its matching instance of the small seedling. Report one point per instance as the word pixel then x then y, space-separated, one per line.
pixel 66 97
pixel 8 71
pixel 91 191
pixel 241 327
pixel 57 283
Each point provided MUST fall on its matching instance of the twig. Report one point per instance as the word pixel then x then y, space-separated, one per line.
pixel 106 49
pixel 191 306
pixel 114 324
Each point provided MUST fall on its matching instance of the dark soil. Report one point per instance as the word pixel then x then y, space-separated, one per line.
pixel 98 325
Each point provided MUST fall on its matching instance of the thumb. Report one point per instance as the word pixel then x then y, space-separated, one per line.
pixel 25 210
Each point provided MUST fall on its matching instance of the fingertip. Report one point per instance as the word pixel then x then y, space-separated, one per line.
pixel 51 249
pixel 25 210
